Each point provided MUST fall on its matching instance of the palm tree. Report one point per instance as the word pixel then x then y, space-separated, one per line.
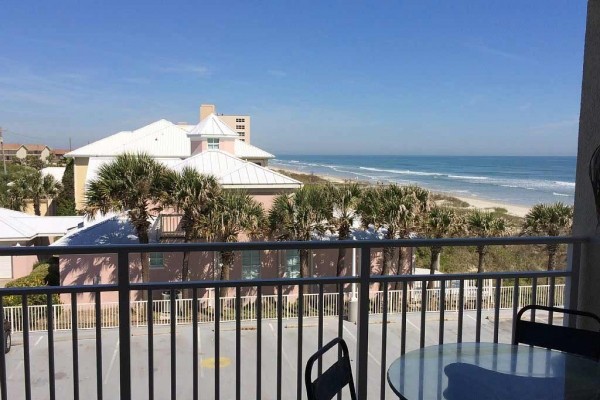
pixel 131 183
pixel 395 208
pixel 373 212
pixel 485 224
pixel 42 187
pixel 194 195
pixel 416 201
pixel 549 220
pixel 298 216
pixel 16 198
pixel 441 223
pixel 234 212
pixel 344 200
pixel 33 186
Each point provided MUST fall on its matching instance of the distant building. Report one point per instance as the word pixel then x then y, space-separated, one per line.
pixel 21 151
pixel 211 146
pixel 240 124
pixel 59 153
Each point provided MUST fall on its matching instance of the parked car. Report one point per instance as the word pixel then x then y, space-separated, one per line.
pixel 7 338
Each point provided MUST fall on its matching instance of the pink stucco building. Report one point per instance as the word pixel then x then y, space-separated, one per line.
pixel 166 267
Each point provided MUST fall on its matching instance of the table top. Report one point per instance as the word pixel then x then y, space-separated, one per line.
pixel 493 371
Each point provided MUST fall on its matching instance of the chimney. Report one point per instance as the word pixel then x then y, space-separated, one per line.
pixel 206 110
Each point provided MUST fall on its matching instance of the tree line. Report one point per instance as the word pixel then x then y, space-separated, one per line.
pixel 142 187
pixel 25 184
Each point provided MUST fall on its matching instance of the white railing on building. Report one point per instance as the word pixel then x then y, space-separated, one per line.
pixel 161 308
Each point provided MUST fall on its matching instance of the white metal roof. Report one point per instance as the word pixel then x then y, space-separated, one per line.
pixel 246 150
pixel 236 173
pixel 105 229
pixel 15 225
pixel 213 127
pixel 159 139
pixel 163 139
pixel 56 172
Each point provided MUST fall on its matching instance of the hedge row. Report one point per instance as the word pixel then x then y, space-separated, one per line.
pixel 44 273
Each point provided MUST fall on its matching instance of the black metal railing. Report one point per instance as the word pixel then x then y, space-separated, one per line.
pixel 289 341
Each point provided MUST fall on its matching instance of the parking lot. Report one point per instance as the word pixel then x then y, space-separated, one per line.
pixel 162 353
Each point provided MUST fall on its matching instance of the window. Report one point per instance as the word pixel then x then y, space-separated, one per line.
pixel 250 264
pixel 240 120
pixel 241 133
pixel 292 264
pixel 156 260
pixel 240 127
pixel 213 144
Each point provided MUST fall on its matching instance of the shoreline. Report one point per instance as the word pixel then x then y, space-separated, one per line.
pixel 474 202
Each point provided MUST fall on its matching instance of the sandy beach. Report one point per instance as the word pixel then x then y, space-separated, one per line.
pixel 474 203
pixel 512 209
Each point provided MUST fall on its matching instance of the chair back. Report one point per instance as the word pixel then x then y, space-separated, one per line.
pixel 334 379
pixel 582 342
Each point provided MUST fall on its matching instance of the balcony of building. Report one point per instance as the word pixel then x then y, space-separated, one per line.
pixel 253 342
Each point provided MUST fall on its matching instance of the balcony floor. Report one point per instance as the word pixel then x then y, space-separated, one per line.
pixel 110 354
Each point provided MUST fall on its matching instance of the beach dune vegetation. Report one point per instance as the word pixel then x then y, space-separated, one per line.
pixel 549 220
pixel 485 224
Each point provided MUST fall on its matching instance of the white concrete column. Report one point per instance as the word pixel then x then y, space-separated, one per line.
pixel 589 139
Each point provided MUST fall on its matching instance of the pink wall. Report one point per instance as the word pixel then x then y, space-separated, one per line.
pixel 265 199
pixel 86 269
pixel 227 145
pixel 82 270
pixel 22 265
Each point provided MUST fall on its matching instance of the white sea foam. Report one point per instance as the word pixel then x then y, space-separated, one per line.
pixel 561 194
pixel 476 178
pixel 402 172
pixel 563 183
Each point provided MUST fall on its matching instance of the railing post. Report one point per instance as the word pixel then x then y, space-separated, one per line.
pixel 572 282
pixel 362 323
pixel 124 325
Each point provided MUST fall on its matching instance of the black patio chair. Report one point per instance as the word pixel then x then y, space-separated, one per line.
pixel 334 379
pixel 582 342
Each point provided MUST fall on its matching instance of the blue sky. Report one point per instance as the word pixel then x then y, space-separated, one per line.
pixel 468 77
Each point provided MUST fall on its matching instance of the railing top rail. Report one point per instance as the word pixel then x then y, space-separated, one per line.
pixel 286 245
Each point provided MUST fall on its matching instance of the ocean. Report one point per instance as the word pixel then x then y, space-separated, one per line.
pixel 512 180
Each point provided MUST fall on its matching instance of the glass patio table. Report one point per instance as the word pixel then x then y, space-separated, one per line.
pixel 493 371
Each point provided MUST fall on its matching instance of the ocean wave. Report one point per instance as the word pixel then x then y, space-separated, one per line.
pixel 476 178
pixel 402 172
pixel 437 180
pixel 563 183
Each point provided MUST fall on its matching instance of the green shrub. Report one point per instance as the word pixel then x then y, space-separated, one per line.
pixel 43 273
